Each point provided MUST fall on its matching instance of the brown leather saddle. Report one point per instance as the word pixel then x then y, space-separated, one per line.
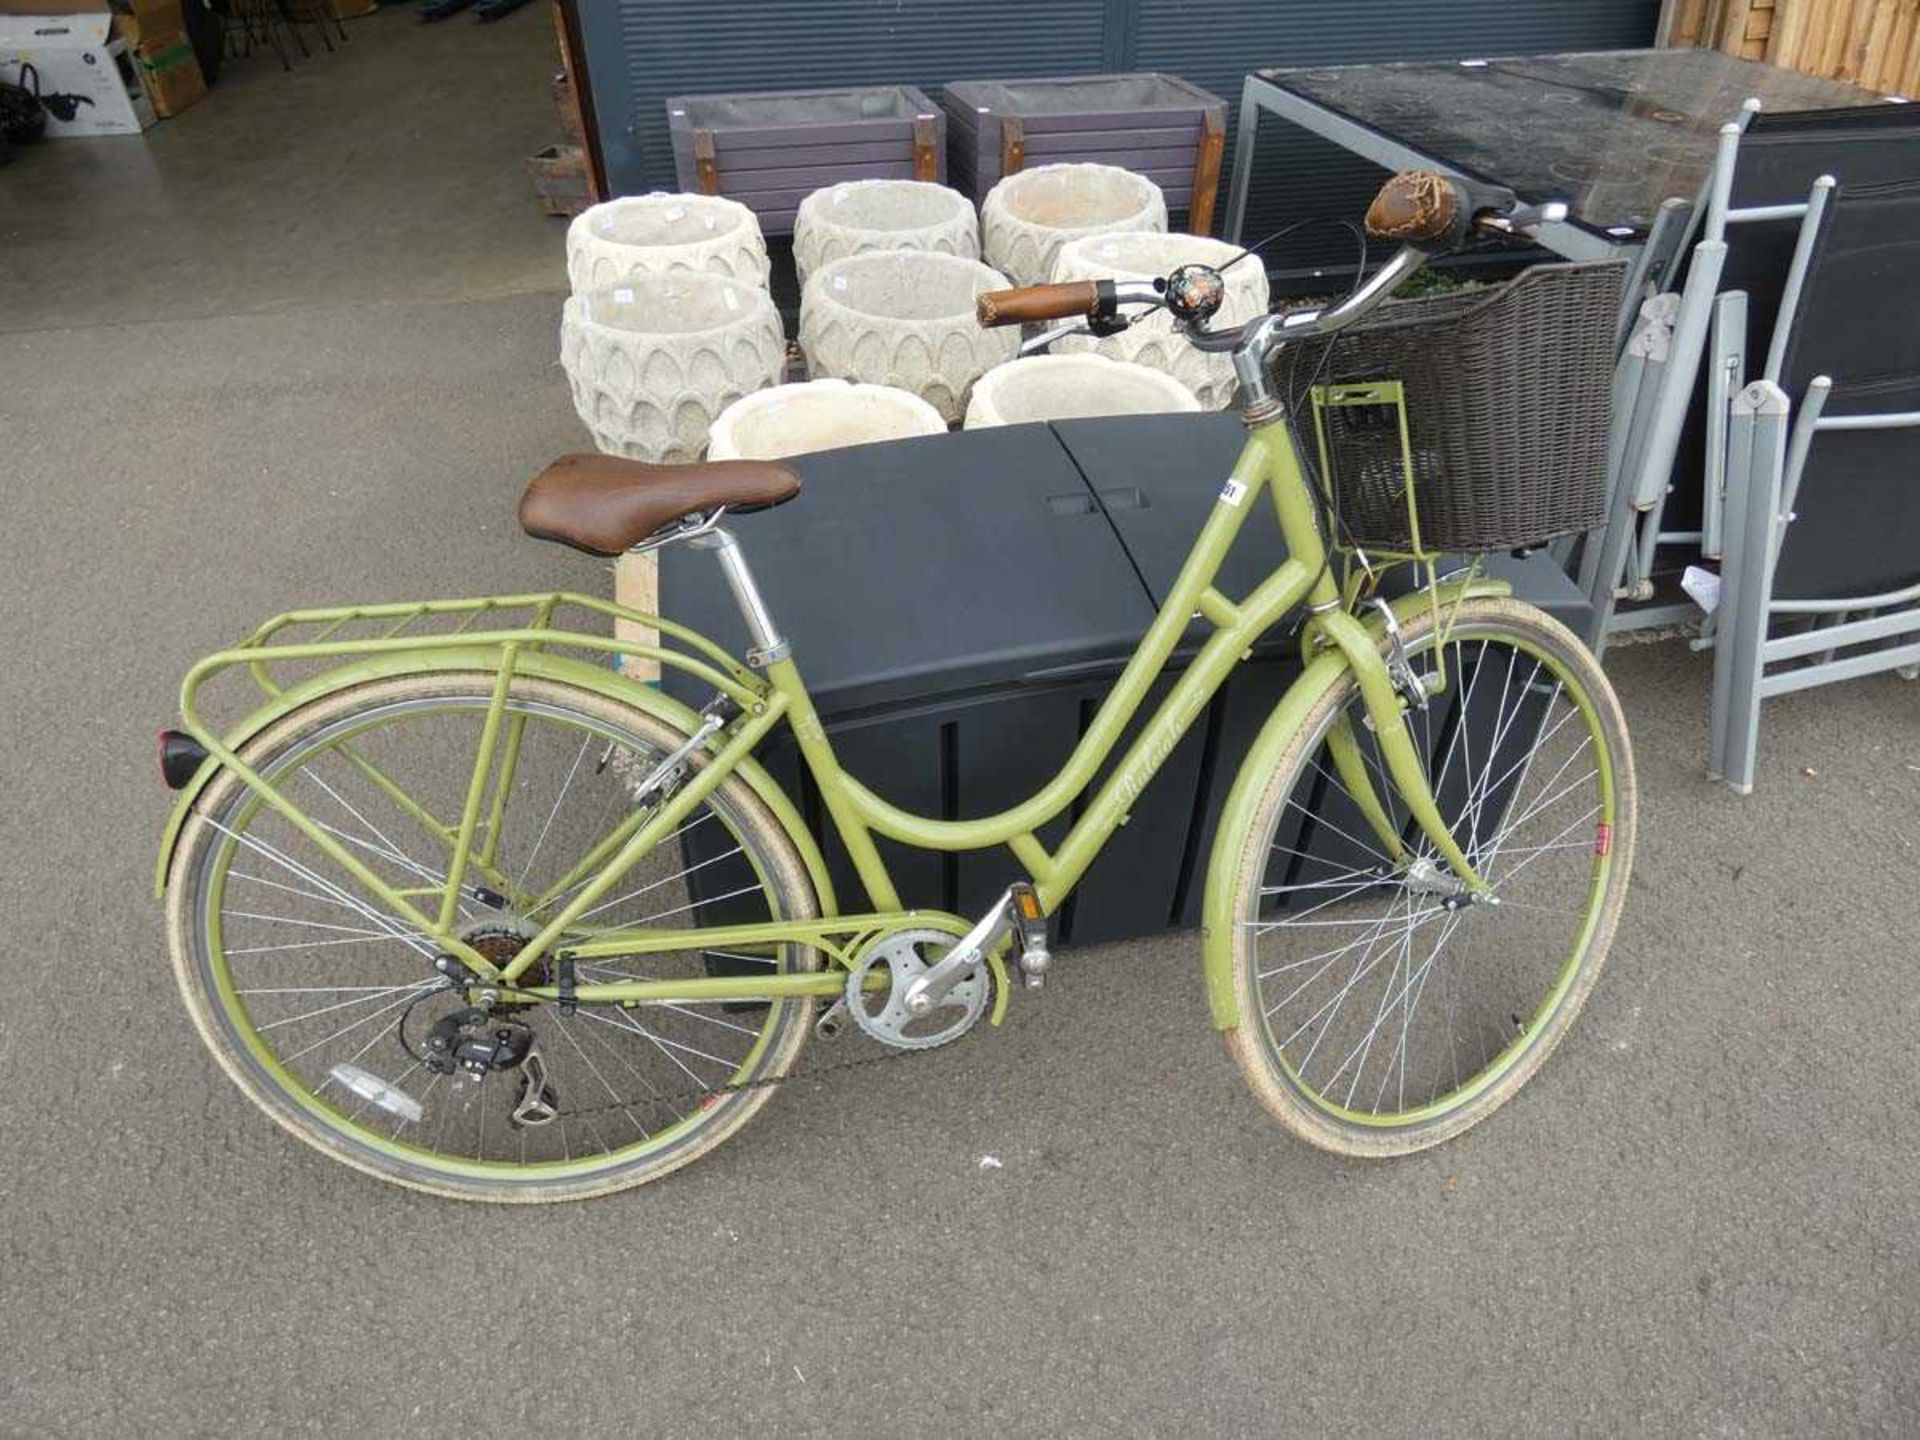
pixel 604 504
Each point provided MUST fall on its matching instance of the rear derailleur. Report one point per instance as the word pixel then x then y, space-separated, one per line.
pixel 471 1043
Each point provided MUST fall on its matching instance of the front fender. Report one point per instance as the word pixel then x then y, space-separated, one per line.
pixel 601 680
pixel 1237 815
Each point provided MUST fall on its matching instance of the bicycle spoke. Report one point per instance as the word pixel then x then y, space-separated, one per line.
pixel 546 826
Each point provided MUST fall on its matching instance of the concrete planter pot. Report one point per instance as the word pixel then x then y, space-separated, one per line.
pixel 653 234
pixel 866 215
pixel 654 359
pixel 818 415
pixel 1154 341
pixel 1069 387
pixel 1028 216
pixel 905 319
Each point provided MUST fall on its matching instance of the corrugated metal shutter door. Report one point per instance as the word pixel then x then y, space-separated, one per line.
pixel 641 51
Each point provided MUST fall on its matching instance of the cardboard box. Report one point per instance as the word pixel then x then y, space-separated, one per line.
pixel 86 78
pixel 145 21
pixel 172 73
pixel 156 36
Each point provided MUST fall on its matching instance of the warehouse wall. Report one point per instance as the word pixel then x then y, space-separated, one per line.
pixel 641 51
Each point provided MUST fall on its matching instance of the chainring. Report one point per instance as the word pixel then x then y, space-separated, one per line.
pixel 903 953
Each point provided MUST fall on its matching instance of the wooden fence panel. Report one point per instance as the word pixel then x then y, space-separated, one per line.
pixel 1872 43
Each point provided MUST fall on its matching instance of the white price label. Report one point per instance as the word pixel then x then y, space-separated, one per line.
pixel 1234 492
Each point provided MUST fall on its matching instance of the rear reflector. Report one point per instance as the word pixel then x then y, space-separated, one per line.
pixel 181 757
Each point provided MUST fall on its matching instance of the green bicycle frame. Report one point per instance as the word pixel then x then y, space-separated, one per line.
pixel 1268 466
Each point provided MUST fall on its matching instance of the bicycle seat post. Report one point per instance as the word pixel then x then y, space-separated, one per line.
pixel 768 645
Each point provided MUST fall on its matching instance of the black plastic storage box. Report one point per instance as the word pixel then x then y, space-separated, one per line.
pixel 961 604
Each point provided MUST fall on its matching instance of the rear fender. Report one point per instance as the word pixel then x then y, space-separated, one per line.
pixel 600 680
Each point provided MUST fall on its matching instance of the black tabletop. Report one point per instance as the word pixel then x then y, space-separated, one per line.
pixel 1613 132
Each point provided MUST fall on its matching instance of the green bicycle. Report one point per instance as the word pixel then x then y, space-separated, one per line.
pixel 463 906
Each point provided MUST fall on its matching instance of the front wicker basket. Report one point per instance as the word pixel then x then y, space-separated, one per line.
pixel 1507 395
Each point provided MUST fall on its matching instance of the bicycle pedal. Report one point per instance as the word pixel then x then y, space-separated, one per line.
pixel 1030 926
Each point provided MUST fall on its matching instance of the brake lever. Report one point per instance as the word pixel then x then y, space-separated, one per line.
pixel 1523 219
pixel 1040 343
pixel 1099 329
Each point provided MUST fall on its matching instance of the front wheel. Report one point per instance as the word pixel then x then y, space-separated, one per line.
pixel 1382 1009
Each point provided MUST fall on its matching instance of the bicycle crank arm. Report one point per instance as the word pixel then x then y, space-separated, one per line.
pixel 931 988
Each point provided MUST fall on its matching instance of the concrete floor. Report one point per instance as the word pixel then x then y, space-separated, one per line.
pixel 299 346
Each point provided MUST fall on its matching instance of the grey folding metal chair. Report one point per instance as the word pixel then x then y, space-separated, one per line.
pixel 1656 380
pixel 1842 637
pixel 1820 580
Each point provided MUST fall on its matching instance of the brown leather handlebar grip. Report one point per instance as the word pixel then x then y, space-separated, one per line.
pixel 1036 302
pixel 1415 205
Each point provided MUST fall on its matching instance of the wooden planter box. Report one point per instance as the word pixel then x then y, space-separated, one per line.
pixel 771 150
pixel 1156 125
pixel 560 181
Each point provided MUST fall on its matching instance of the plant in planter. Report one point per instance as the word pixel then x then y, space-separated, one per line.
pixel 903 318
pixel 818 415
pixel 654 359
pixel 1153 340
pixel 1069 387
pixel 1028 216
pixel 866 215
pixel 649 234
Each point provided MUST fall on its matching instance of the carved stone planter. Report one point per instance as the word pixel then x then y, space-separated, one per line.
pixel 1069 387
pixel 1027 217
pixel 648 234
pixel 865 215
pixel 818 415
pixel 905 319
pixel 1153 341
pixel 654 359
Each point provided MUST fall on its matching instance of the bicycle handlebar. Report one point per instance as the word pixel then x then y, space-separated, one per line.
pixel 1429 213
pixel 1067 300
pixel 1027 303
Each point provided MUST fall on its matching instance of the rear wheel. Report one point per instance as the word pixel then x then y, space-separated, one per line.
pixel 1382 1010
pixel 323 1006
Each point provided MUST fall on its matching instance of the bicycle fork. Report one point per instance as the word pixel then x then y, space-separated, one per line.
pixel 1384 683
